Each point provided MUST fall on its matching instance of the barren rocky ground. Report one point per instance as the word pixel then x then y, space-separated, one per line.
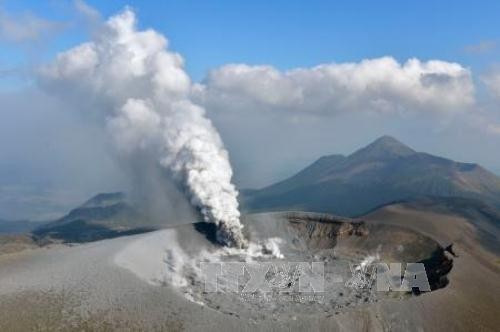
pixel 103 286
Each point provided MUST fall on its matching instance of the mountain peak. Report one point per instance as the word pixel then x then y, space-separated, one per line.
pixel 383 147
pixel 386 139
pixel 104 199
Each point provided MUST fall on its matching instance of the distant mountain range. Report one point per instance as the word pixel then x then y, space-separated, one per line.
pixel 105 215
pixel 383 172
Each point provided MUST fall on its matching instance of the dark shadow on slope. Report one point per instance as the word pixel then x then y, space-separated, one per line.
pixel 437 267
pixel 209 230
pixel 80 231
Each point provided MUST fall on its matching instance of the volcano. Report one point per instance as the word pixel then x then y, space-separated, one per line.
pixel 383 172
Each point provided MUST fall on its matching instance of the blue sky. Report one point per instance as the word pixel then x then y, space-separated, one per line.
pixel 289 34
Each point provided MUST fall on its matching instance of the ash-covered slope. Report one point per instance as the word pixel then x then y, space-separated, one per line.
pixel 103 216
pixel 483 218
pixel 383 172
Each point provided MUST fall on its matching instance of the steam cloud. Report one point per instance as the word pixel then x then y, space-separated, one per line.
pixel 141 93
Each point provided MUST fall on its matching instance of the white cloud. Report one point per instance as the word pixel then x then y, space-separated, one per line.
pixel 492 81
pixel 88 12
pixel 482 47
pixel 25 28
pixel 380 85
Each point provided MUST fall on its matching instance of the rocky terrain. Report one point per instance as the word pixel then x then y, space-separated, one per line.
pixel 149 281
pixel 14 243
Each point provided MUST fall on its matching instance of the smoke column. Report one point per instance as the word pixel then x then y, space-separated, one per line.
pixel 141 92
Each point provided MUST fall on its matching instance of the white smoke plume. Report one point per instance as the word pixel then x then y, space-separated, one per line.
pixel 141 92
